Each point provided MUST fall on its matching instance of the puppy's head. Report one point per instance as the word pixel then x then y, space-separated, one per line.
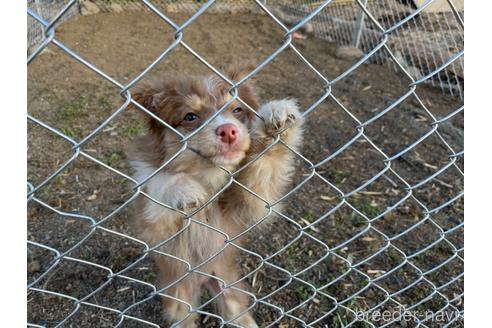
pixel 186 103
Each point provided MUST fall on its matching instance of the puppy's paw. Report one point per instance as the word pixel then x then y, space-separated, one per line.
pixel 188 205
pixel 246 321
pixel 184 193
pixel 188 201
pixel 279 116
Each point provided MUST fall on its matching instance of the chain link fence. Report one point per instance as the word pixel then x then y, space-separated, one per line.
pixel 373 227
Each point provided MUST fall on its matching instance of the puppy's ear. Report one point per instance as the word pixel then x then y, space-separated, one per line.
pixel 150 94
pixel 146 94
pixel 247 90
pixel 238 71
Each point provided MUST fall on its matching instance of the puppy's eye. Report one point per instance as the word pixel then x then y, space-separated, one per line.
pixel 237 110
pixel 190 117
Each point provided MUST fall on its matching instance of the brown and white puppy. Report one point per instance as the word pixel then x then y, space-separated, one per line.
pixel 193 251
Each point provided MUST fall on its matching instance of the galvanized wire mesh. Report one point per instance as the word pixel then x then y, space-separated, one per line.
pixel 421 45
pixel 385 36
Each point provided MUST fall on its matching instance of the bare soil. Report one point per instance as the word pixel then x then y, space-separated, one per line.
pixel 69 97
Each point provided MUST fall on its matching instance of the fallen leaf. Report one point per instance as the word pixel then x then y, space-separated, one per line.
pixel 93 196
pixel 376 272
pixel 371 193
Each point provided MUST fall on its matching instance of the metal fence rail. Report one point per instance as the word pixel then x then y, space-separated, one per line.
pixel 384 34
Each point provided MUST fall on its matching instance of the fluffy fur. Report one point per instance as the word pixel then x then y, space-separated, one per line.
pixel 196 175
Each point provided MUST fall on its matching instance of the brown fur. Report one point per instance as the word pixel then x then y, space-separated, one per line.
pixel 194 177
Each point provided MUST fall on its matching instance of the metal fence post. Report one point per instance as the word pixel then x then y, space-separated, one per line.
pixel 359 26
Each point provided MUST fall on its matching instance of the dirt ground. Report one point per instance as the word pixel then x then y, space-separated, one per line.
pixel 75 100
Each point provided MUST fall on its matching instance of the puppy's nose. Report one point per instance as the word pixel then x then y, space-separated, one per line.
pixel 227 133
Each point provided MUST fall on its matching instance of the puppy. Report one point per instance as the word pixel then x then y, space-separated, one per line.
pixel 197 203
